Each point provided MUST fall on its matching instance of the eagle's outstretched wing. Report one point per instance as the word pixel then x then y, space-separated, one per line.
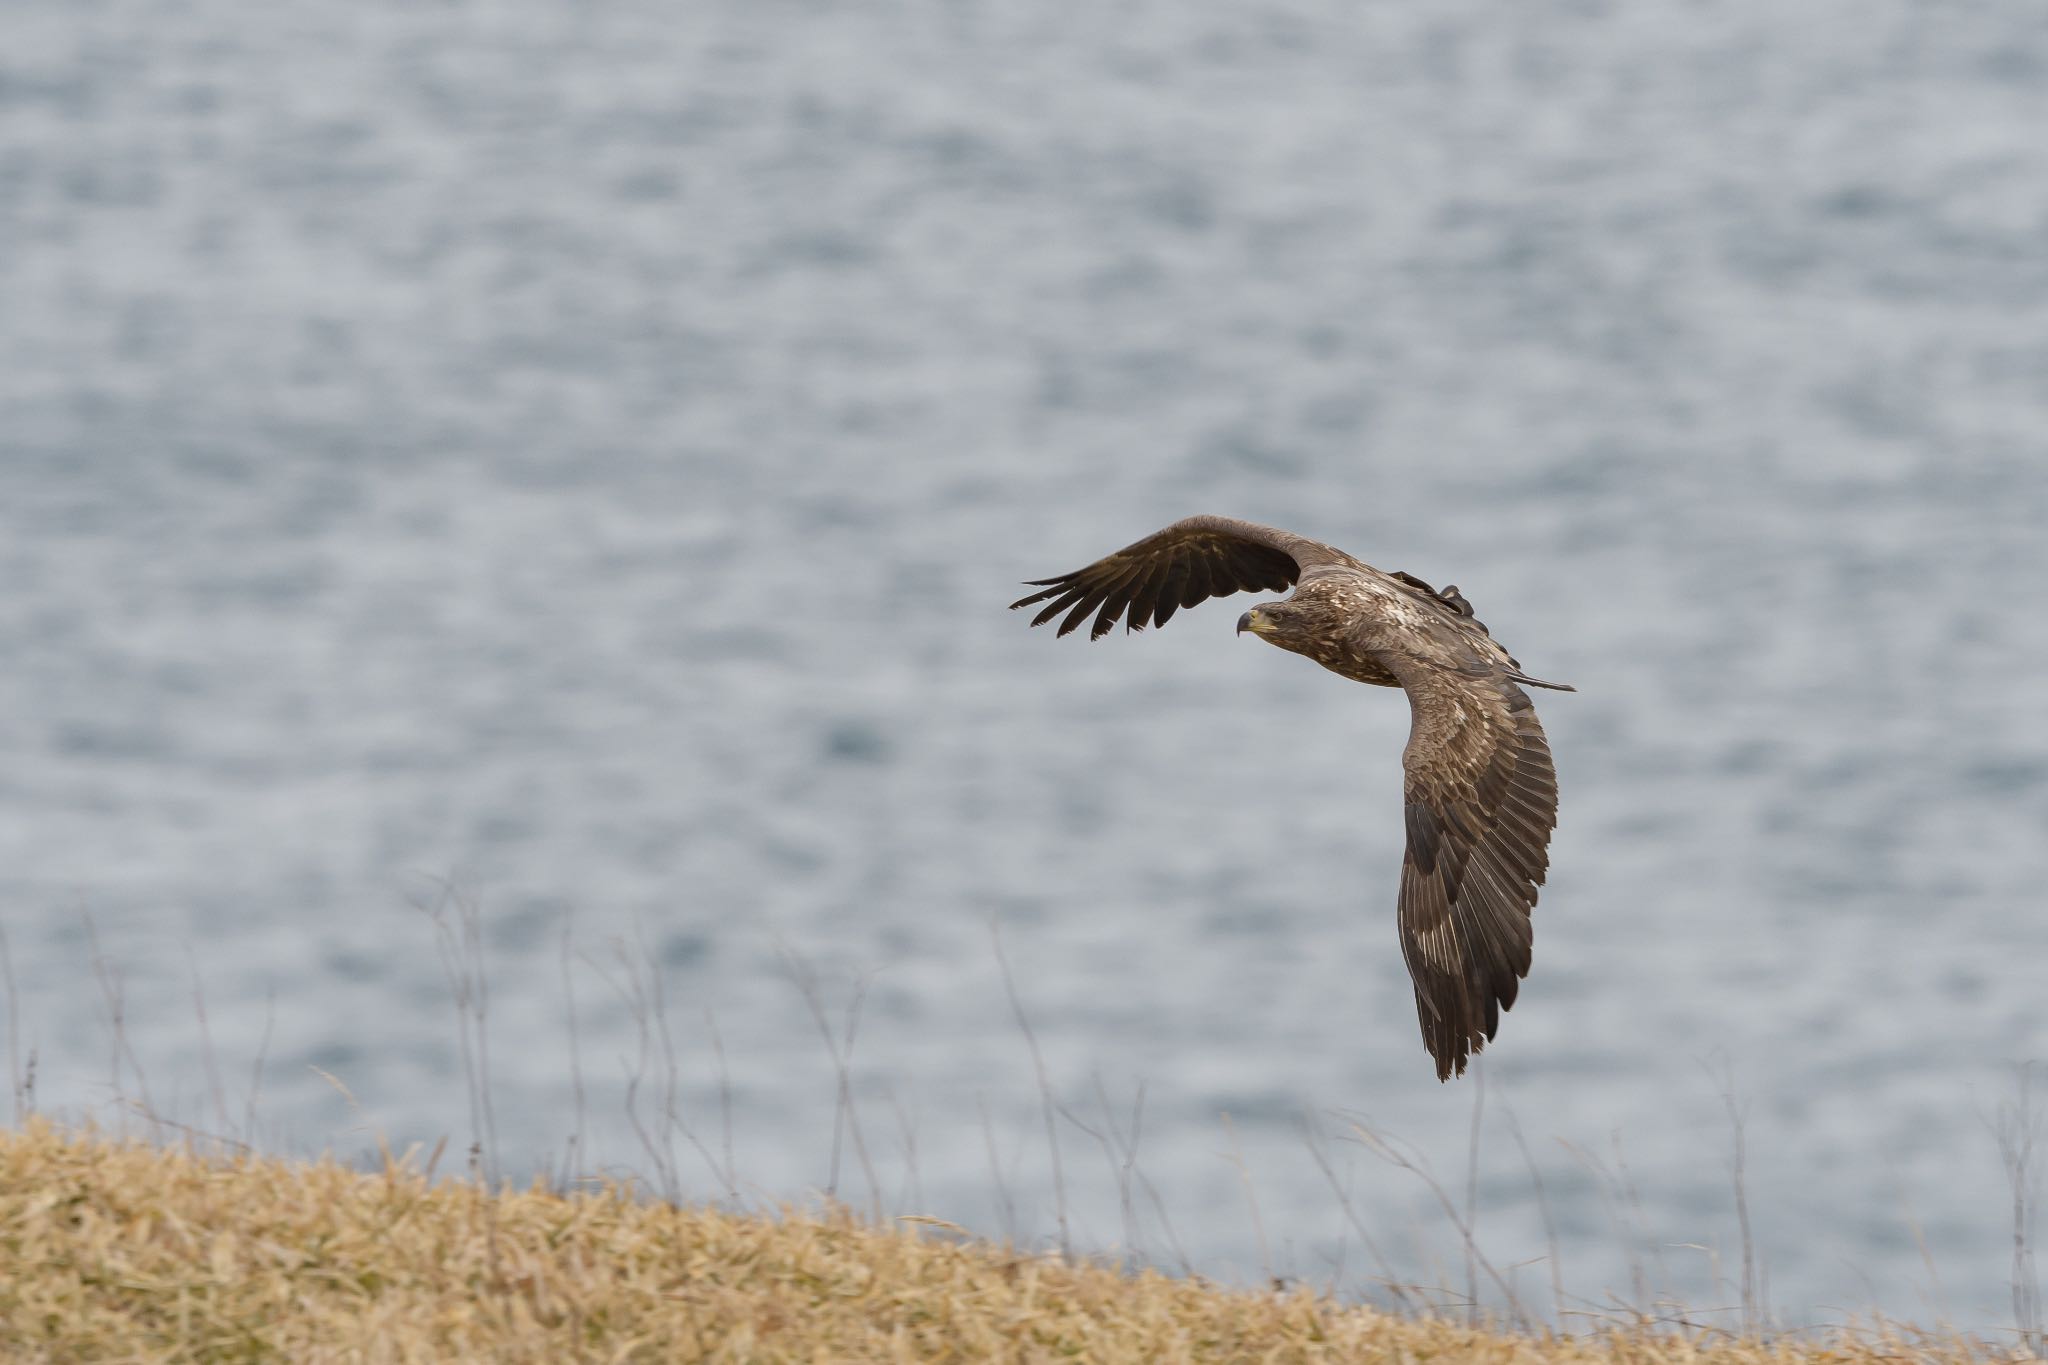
pixel 1481 803
pixel 1188 562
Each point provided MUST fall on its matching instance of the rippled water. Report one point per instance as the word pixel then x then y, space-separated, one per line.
pixel 582 454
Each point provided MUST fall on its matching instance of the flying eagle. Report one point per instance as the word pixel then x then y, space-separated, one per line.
pixel 1481 793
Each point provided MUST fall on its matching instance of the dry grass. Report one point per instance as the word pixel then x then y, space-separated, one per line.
pixel 113 1251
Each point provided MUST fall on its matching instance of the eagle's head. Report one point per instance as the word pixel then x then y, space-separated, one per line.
pixel 1277 622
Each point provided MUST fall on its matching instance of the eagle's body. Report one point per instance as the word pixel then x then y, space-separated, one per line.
pixel 1481 792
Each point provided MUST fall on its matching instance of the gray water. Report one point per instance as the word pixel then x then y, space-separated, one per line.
pixel 581 454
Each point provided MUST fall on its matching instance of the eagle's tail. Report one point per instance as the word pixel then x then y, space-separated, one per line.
pixel 1538 682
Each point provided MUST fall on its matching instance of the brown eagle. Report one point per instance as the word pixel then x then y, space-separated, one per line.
pixel 1481 792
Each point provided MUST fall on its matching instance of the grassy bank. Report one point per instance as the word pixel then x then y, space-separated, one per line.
pixel 120 1251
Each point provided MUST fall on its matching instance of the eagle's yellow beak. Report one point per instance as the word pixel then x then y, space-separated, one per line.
pixel 1250 621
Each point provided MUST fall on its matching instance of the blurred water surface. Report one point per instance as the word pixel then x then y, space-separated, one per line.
pixel 582 453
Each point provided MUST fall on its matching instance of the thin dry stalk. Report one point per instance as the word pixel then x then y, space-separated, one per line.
pixel 256 1066
pixel 2017 1129
pixel 732 1171
pixel 21 1079
pixel 213 1081
pixel 1313 1139
pixel 1666 1297
pixel 198 1141
pixel 1472 1189
pixel 1129 1243
pixel 1338 1264
pixel 459 940
pixel 995 1171
pixel 1052 1139
pixel 1251 1198
pixel 1738 1116
pixel 485 1202
pixel 632 993
pixel 1122 1148
pixel 121 1049
pixel 1121 1159
pixel 672 1121
pixel 639 987
pixel 1126 1169
pixel 844 1062
pixel 912 1195
pixel 845 1114
pixel 1180 1254
pixel 572 1156
pixel 1543 1211
pixel 1389 1151
pixel 1617 1215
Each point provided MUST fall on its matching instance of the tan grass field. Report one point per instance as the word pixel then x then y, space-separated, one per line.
pixel 121 1251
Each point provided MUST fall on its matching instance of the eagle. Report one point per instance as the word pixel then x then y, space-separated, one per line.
pixel 1480 790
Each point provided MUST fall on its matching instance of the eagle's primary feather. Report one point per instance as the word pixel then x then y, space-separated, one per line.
pixel 1481 794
